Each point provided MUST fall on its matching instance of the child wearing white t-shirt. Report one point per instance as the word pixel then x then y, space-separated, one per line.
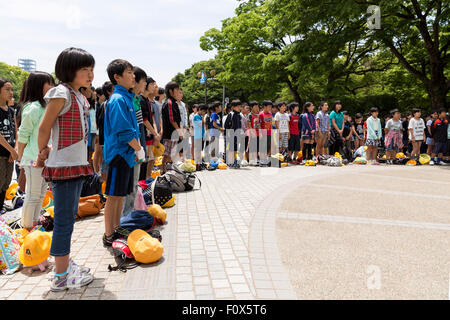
pixel 416 132
pixel 282 123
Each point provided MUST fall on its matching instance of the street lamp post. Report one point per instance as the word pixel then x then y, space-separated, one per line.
pixel 204 79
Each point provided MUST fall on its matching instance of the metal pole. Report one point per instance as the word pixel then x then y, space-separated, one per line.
pixel 206 90
pixel 223 100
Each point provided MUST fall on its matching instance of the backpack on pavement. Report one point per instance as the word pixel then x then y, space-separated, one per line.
pixel 181 181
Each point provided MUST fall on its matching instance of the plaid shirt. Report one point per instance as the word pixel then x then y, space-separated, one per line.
pixel 70 132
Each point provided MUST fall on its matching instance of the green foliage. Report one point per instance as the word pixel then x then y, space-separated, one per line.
pixel 14 74
pixel 316 49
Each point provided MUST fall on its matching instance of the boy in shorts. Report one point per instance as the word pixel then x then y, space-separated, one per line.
pixel 122 148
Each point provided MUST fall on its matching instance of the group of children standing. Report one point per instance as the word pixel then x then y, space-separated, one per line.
pixel 56 130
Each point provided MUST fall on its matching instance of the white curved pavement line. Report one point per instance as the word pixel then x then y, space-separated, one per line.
pixel 220 241
pixel 270 278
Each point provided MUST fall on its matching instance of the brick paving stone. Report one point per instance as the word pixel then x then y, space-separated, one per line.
pixel 202 290
pixel 12 285
pixel 93 291
pixel 6 293
pixel 55 295
pixel 201 280
pixel 240 288
pixel 188 295
pixel 224 293
pixel 217 284
pixel 236 279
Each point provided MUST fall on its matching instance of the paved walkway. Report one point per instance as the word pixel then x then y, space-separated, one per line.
pixel 220 242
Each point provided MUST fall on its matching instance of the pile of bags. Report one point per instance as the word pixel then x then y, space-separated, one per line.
pixel 139 243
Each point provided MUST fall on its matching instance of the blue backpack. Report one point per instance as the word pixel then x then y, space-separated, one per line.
pixel 137 220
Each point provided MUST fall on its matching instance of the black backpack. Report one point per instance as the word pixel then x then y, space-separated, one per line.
pixel 92 185
pixel 159 192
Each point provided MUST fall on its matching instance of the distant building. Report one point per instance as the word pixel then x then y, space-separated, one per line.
pixel 27 65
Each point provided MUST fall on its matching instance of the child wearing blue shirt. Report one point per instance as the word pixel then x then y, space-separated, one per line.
pixel 199 135
pixel 122 148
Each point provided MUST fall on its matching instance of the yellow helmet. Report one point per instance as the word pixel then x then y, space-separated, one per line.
pixel 35 248
pixel 144 247
pixel 157 212
pixel 400 155
pixel 158 150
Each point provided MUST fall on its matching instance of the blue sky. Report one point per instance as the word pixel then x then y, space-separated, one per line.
pixel 160 36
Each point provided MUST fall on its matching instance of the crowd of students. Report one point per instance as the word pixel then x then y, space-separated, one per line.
pixel 62 133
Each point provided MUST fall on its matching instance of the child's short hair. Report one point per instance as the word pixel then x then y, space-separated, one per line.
pixel 442 110
pixel 118 67
pixel 358 116
pixel 99 91
pixel 149 81
pixel 292 106
pixel 70 61
pixel 253 103
pixel 414 111
pixel 202 107
pixel 139 74
pixel 161 91
pixel 322 103
pixel 394 112
pixel 172 85
pixel 236 103
pixel 281 103
pixel 345 113
pixel 373 109
pixel 107 89
pixel 267 103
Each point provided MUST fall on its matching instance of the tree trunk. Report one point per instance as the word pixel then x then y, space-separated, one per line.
pixel 294 91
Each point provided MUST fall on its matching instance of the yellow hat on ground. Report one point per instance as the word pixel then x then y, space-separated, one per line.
pixel 11 191
pixel 158 150
pixel 284 164
pixel 222 166
pixel 157 212
pixel 400 155
pixel 310 163
pixel 144 247
pixel 411 163
pixel 169 203
pixel 35 248
pixel 424 158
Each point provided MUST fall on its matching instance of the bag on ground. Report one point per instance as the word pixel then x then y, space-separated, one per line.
pixel 9 249
pixel 139 219
pixel 91 185
pixel 90 206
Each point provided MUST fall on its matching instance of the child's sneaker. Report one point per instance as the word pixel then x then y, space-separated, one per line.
pixel 73 279
pixel 431 163
pixel 72 264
